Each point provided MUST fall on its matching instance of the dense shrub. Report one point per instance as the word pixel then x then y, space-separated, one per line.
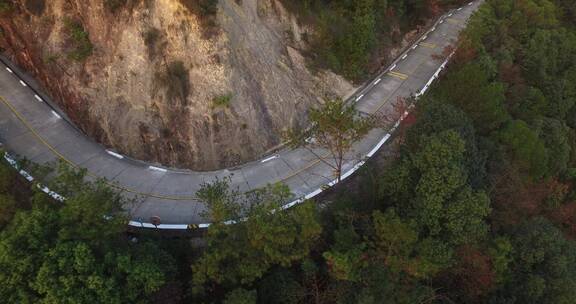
pixel 5 6
pixel 81 45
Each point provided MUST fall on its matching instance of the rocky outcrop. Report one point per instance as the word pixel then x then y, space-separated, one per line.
pixel 156 80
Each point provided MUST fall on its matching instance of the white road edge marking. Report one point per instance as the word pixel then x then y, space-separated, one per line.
pixel 9 70
pixel 38 98
pixel 424 90
pixel 269 158
pixel 56 114
pixel 185 227
pixel 53 194
pixel 23 83
pixel 157 169
pixel 378 81
pixel 119 156
pixel 433 29
pixel 379 145
pixel 425 37
pixel 393 67
pixel 30 178
pixel 404 57
pixel 441 21
pixel 163 226
pixel 359 97
pixel 296 202
pixel 26 175
pixel 450 15
pixel 459 9
pixel 414 46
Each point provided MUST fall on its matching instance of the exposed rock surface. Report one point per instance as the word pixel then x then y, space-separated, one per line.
pixel 162 85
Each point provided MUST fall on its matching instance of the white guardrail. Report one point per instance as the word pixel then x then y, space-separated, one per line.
pixel 139 224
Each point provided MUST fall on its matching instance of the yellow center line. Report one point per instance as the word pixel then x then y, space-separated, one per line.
pixel 308 166
pixel 398 75
pixel 428 45
pixel 184 198
pixel 390 73
pixel 69 162
pixel 311 164
pixel 384 103
pixel 114 185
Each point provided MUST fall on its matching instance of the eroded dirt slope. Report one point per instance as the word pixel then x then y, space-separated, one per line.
pixel 154 80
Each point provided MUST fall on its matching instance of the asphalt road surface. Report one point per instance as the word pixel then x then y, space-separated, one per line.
pixel 33 128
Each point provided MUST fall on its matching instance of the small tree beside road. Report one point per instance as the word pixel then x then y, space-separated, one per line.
pixel 336 126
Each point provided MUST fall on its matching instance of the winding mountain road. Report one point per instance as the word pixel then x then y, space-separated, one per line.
pixel 33 128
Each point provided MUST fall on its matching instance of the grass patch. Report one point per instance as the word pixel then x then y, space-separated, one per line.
pixel 222 101
pixel 50 58
pixel 82 47
pixel 5 6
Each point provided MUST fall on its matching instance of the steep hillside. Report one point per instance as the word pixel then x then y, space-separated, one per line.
pixel 200 84
pixel 158 81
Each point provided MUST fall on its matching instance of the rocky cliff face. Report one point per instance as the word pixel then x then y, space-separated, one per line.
pixel 156 80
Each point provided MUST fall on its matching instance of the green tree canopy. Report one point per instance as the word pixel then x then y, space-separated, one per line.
pixel 440 200
pixel 471 89
pixel 526 149
pixel 546 265
pixel 75 252
pixel 263 235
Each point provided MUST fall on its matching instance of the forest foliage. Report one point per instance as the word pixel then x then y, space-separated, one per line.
pixel 75 252
pixel 351 37
pixel 479 205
